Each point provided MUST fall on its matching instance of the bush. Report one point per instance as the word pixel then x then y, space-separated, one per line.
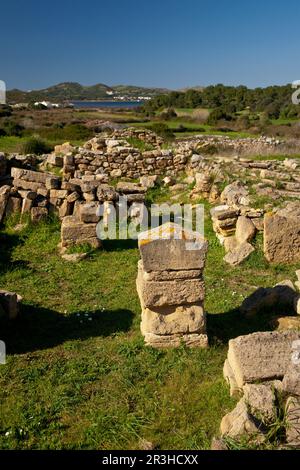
pixel 168 115
pixel 218 114
pixel 13 128
pixel 162 130
pixel 37 146
pixel 5 110
pixel 68 133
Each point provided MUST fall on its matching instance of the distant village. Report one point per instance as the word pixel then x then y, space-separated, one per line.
pixel 68 104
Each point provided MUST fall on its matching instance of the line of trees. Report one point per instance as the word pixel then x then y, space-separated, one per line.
pixel 274 101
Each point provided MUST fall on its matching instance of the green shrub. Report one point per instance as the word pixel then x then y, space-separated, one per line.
pixel 218 114
pixel 5 110
pixel 67 133
pixel 37 146
pixel 12 128
pixel 162 129
pixel 169 114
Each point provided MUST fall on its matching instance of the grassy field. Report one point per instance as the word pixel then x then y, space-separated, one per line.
pixel 12 144
pixel 78 375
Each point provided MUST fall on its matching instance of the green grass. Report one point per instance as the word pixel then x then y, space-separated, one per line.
pixel 78 375
pixel 16 144
pixel 12 144
pixel 192 129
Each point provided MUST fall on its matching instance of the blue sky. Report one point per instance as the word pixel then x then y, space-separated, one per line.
pixel 159 43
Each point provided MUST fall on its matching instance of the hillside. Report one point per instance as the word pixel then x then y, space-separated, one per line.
pixel 75 91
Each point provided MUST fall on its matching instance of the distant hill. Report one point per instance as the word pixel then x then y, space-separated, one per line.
pixel 74 91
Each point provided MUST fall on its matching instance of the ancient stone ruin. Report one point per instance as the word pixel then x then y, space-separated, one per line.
pixel 264 369
pixel 282 234
pixel 171 287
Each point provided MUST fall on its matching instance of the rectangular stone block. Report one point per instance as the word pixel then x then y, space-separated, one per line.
pixel 88 213
pixel 174 341
pixel 27 185
pixel 176 292
pixel 171 248
pixel 169 275
pixel 282 235
pixel 14 205
pixel 184 319
pixel 261 356
pixel 28 175
pixel 75 232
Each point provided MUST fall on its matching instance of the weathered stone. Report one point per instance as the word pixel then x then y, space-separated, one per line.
pixel 58 193
pixel 185 319
pixel 27 185
pixel 148 181
pixel 169 275
pixel 63 149
pixel 293 422
pixel 10 302
pixel 26 205
pixel 218 444
pixel 106 193
pixel 245 230
pixel 230 244
pixel 4 196
pixel 282 235
pixel 55 160
pixel 235 194
pixel 74 232
pixel 74 196
pixel 174 341
pixel 28 175
pixel 223 212
pixel 74 257
pixel 230 379
pixel 286 323
pixel 52 182
pixel 261 356
pixel 260 399
pixel 65 209
pixel 291 379
pixel 164 244
pixel 38 213
pixel 13 206
pixel 239 423
pixel 130 188
pixel 177 292
pixel 89 213
pixel 239 254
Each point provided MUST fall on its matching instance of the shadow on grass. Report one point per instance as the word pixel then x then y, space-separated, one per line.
pixel 119 245
pixel 7 244
pixel 39 328
pixel 225 326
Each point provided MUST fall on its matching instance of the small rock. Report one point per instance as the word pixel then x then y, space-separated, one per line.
pixel 240 254
pixel 74 257
pixel 245 230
